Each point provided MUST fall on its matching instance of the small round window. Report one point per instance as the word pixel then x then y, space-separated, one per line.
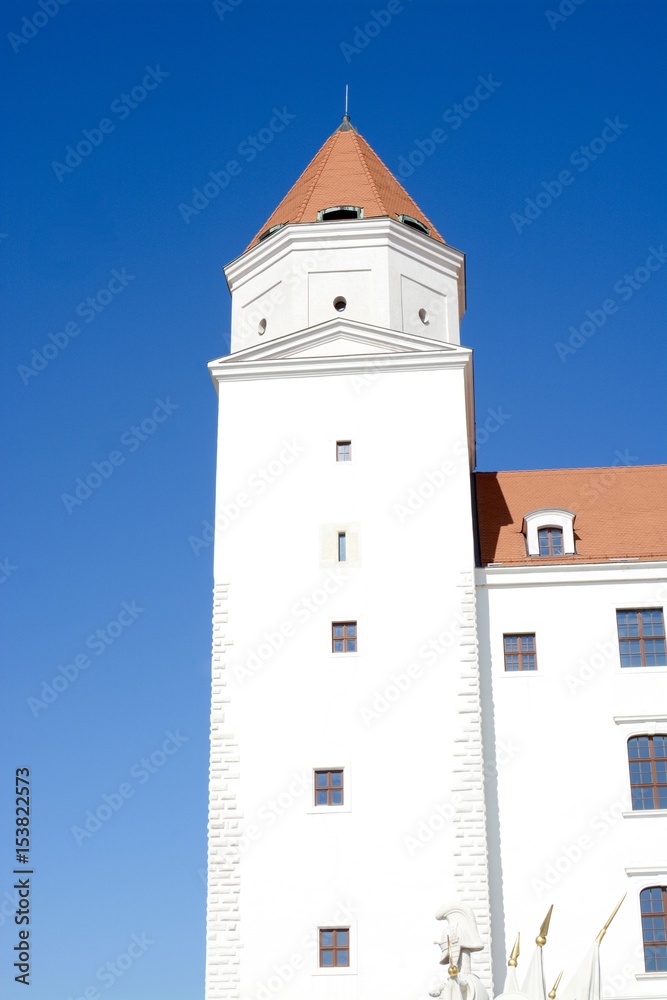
pixel 340 303
pixel 423 315
pixel 261 329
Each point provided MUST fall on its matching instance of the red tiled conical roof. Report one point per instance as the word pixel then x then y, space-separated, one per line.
pixel 346 171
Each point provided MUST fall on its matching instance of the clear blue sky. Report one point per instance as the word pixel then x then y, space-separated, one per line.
pixel 110 229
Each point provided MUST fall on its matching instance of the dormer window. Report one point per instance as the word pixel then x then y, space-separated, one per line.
pixel 408 220
pixel 549 532
pixel 340 212
pixel 269 232
pixel 550 541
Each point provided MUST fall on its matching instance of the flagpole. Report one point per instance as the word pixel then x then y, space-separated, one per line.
pixel 606 926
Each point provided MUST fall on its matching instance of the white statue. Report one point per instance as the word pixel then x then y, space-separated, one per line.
pixel 459 939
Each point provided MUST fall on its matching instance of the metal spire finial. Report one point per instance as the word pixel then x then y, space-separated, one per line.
pixel 606 926
pixel 541 938
pixel 453 967
pixel 512 962
pixel 552 991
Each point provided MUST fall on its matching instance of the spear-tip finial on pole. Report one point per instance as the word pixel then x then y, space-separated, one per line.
pixel 541 938
pixel 346 96
pixel 516 951
pixel 453 969
pixel 552 991
pixel 606 926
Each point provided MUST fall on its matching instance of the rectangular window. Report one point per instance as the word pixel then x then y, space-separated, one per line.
pixel 334 947
pixel 647 756
pixel 550 541
pixel 342 546
pixel 520 651
pixel 343 451
pixel 344 637
pixel 329 788
pixel 654 927
pixel 641 638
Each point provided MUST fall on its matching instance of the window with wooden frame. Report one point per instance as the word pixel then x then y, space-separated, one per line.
pixel 329 788
pixel 647 757
pixel 342 546
pixel 344 637
pixel 641 637
pixel 343 451
pixel 520 652
pixel 653 902
pixel 334 947
pixel 550 541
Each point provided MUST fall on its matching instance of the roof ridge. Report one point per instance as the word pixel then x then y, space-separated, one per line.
pixel 569 468
pixel 325 159
pixel 371 180
pixel 398 184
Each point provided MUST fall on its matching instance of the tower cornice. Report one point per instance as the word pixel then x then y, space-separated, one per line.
pixel 322 236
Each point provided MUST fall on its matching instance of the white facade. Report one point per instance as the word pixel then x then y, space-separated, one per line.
pixel 567 833
pixel 389 276
pixel 460 779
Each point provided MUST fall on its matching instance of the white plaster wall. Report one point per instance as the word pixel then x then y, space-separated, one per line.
pixel 381 268
pixel 562 770
pixel 401 718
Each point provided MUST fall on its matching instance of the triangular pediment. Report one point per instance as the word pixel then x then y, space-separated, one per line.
pixel 338 338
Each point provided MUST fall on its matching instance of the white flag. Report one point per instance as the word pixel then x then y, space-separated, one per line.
pixel 511 981
pixel 534 985
pixel 586 983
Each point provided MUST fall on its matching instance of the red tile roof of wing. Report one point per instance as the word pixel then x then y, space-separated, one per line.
pixel 346 171
pixel 620 512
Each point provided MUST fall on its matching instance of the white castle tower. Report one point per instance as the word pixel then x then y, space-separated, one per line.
pixel 345 405
pixel 428 684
